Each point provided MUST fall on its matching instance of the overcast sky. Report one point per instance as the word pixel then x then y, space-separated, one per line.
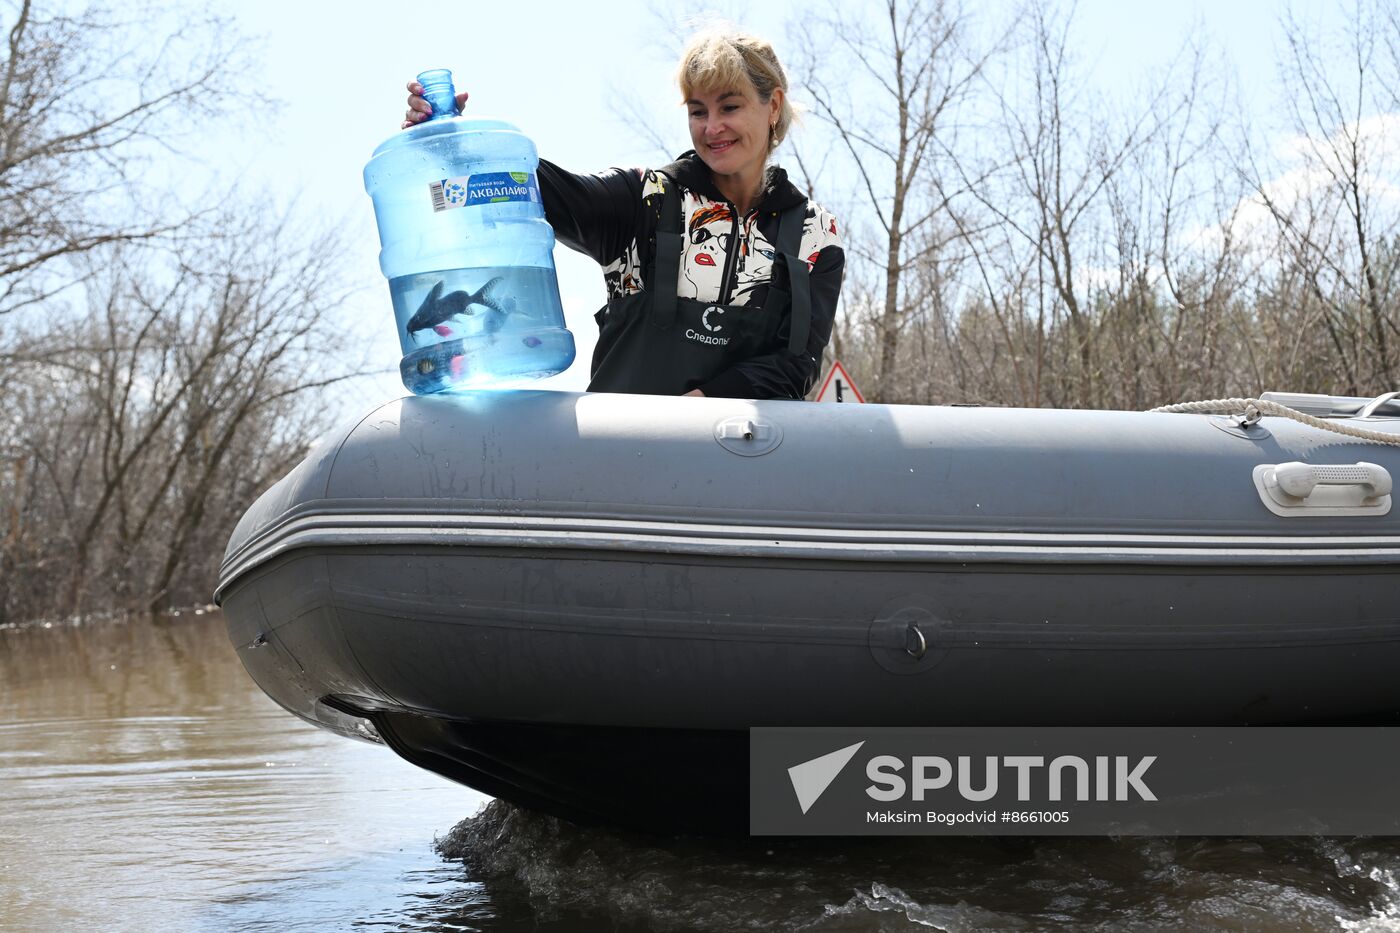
pixel 555 69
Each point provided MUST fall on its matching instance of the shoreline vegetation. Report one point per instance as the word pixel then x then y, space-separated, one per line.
pixel 165 348
pixel 1017 235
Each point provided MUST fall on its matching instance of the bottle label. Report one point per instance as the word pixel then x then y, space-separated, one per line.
pixel 483 188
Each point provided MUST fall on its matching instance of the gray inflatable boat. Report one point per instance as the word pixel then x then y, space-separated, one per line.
pixel 581 602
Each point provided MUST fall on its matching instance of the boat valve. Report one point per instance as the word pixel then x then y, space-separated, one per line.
pixel 748 437
pixel 737 428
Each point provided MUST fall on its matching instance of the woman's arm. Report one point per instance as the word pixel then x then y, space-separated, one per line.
pixel 598 215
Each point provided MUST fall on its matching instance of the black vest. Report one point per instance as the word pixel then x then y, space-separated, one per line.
pixel 657 343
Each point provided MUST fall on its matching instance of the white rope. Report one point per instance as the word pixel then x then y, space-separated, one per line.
pixel 1252 408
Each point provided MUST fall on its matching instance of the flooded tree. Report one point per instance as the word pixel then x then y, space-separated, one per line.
pixel 159 365
pixel 85 99
pixel 1330 196
pixel 150 419
pixel 886 82
pixel 1070 241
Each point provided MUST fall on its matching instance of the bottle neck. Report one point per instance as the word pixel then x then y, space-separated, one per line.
pixel 439 91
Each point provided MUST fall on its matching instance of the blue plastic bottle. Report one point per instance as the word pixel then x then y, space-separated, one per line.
pixel 467 251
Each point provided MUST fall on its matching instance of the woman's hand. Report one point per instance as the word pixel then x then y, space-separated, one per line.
pixel 419 109
pixel 695 392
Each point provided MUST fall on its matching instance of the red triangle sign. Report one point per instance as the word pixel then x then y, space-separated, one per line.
pixel 838 387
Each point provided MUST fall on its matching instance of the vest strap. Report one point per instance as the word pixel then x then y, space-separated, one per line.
pixel 666 268
pixel 788 244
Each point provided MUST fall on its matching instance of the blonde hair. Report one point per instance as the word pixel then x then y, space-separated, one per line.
pixel 723 59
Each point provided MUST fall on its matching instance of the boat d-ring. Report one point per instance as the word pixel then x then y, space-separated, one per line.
pixel 908 635
pixel 915 645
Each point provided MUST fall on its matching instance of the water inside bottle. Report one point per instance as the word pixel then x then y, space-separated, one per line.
pixel 463 328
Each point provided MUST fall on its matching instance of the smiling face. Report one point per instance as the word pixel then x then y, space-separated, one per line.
pixel 730 130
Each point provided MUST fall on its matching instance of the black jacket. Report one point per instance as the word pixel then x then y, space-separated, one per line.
pixel 612 217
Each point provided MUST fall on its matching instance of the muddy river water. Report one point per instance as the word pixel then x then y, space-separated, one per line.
pixel 146 783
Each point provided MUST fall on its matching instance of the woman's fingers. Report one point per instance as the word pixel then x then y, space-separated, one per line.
pixel 419 109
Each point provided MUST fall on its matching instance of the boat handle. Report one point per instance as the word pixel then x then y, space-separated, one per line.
pixel 1300 479
pixel 1370 407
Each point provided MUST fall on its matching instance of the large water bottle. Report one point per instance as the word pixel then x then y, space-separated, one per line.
pixel 467 251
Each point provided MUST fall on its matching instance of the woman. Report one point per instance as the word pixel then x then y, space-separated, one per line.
pixel 722 277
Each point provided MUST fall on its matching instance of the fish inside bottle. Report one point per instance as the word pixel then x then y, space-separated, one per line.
pixel 477 327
